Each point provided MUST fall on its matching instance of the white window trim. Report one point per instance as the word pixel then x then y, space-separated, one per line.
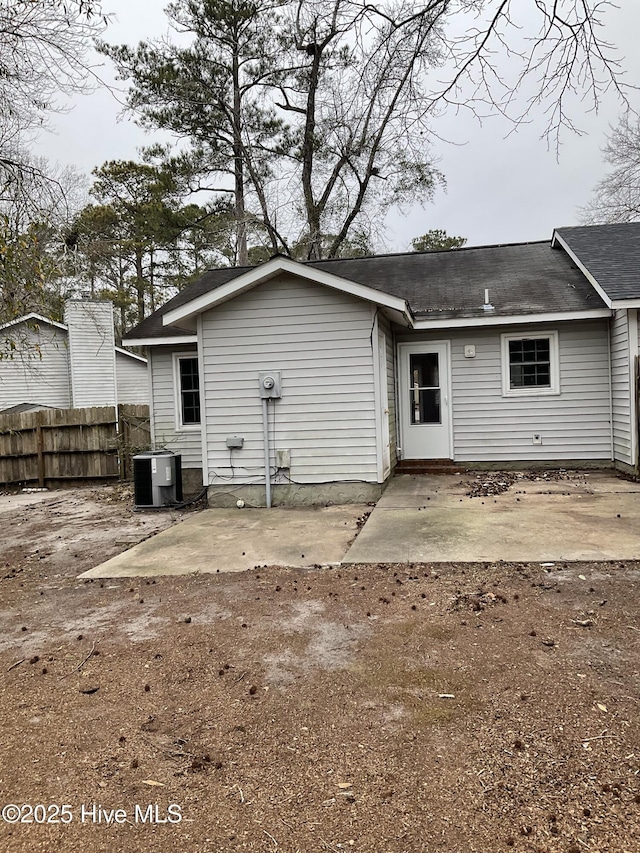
pixel 180 427
pixel 554 367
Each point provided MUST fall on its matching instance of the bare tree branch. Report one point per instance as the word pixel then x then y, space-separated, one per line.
pixel 322 111
pixel 616 198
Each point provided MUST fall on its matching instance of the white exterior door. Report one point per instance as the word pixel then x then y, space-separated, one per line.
pixel 425 406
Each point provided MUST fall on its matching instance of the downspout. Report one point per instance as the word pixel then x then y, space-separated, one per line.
pixel 634 422
pixel 610 390
pixel 267 469
pixel 377 396
pixel 204 432
pixel 632 346
pixel 396 392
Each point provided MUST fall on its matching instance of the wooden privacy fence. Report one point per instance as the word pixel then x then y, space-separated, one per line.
pixel 57 446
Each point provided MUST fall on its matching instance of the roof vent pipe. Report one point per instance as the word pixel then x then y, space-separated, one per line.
pixel 487 305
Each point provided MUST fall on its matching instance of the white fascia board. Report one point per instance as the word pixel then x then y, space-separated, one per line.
pixel 511 319
pixel 625 303
pixel 269 270
pixel 557 239
pixel 157 342
pixel 131 354
pixel 28 318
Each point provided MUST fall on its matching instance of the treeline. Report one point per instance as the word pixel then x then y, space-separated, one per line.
pixel 298 125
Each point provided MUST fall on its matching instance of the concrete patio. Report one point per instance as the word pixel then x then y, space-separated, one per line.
pixel 588 516
pixel 236 540
pixel 431 519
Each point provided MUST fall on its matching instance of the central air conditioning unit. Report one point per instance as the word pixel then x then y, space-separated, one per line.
pixel 157 479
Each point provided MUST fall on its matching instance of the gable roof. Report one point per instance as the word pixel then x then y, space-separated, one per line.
pixel 19 408
pixel 523 279
pixel 250 278
pixel 608 254
pixel 38 319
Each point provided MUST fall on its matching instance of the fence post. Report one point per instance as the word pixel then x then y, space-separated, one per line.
pixel 40 448
pixel 121 442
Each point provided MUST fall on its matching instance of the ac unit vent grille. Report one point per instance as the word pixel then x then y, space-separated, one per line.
pixel 142 489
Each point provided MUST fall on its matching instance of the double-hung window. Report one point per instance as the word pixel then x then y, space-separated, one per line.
pixel 187 386
pixel 530 364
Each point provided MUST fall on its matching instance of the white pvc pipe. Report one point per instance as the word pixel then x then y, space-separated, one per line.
pixel 267 468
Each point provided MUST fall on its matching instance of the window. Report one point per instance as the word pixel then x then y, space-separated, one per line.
pixel 187 390
pixel 530 365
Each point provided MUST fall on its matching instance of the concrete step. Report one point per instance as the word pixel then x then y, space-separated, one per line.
pixel 427 466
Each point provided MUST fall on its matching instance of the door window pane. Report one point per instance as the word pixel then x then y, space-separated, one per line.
pixel 424 393
pixel 425 406
pixel 424 370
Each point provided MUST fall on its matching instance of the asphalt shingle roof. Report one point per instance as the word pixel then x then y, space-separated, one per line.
pixel 525 278
pixel 151 326
pixel 611 253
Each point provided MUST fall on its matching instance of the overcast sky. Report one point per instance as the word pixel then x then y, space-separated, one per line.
pixel 502 187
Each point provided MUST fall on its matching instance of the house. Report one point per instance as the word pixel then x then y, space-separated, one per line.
pixel 71 364
pixel 326 374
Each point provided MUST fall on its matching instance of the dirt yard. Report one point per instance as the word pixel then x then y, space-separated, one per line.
pixel 396 709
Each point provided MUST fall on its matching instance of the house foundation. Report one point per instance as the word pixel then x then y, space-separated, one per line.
pixel 295 494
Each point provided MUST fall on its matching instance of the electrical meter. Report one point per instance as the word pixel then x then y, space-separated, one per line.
pixel 269 383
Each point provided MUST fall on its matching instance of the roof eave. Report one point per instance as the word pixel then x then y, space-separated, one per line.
pixel 168 340
pixel 633 302
pixel 511 319
pixel 131 354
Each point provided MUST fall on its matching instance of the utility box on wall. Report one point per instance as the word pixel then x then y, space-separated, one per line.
pixel 157 478
pixel 269 383
pixel 283 458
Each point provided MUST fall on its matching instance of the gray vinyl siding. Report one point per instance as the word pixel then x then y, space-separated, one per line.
pixel 131 379
pixel 391 387
pixel 489 427
pixel 91 353
pixel 165 435
pixel 621 386
pixel 38 372
pixel 321 341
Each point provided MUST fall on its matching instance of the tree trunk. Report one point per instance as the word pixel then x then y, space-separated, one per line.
pixel 121 296
pixel 140 283
pixel 242 253
pixel 152 294
pixel 308 150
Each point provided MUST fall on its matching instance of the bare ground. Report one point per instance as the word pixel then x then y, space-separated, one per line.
pixel 397 708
